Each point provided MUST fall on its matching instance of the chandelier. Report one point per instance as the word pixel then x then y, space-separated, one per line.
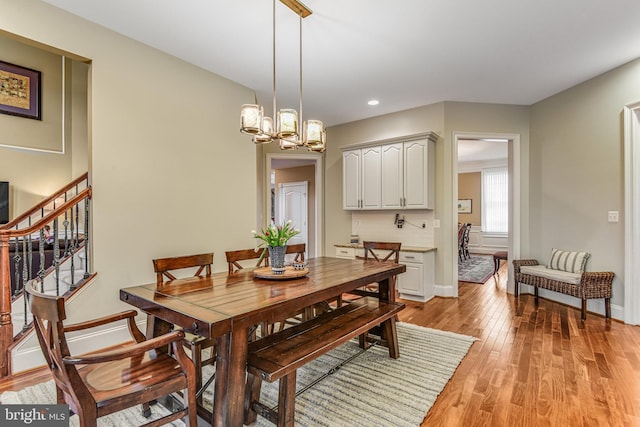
pixel 286 126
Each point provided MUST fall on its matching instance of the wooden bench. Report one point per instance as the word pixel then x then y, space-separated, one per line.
pixel 278 356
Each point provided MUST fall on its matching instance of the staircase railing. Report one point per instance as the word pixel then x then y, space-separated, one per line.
pixel 35 243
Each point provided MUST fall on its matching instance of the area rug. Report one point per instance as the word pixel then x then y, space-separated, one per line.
pixel 476 269
pixel 373 389
pixel 370 390
pixel 46 393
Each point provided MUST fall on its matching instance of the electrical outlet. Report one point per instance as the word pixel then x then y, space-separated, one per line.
pixel 612 216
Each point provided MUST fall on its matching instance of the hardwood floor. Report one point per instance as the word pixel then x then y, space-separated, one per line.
pixel 529 367
pixel 533 367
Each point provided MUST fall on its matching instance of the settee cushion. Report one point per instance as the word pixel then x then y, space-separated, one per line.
pixel 571 262
pixel 552 274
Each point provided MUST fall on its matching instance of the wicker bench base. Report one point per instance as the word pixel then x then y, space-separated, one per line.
pixel 592 285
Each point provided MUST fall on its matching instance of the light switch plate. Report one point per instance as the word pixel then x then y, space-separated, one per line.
pixel 613 216
pixel 436 223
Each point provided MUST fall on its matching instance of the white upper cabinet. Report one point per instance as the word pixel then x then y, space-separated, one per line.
pixel 371 178
pixel 361 178
pixel 351 179
pixel 419 174
pixel 396 174
pixel 392 178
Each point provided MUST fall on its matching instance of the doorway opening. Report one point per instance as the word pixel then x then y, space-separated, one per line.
pixel 632 213
pixel 480 145
pixel 285 175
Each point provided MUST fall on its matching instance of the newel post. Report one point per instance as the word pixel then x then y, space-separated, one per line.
pixel 6 328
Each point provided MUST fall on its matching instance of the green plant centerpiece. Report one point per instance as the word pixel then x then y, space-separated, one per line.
pixel 275 238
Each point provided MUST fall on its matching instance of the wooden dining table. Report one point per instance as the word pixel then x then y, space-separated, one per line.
pixel 225 306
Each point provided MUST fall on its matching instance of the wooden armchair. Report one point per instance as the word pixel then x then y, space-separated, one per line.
pixel 108 381
pixel 163 268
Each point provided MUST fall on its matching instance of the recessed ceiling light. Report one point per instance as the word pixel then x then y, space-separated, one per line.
pixel 373 102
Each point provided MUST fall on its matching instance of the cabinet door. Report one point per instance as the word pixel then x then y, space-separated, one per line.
pixel 392 176
pixel 351 176
pixel 418 174
pixel 411 281
pixel 371 178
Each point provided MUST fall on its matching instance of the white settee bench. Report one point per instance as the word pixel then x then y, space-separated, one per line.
pixel 565 274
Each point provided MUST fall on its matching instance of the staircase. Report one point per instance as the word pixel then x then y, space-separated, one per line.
pixel 70 279
pixel 48 243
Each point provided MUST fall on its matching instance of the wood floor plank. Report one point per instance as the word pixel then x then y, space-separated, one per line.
pixel 533 366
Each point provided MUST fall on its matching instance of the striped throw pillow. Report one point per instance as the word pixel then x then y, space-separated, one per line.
pixel 572 262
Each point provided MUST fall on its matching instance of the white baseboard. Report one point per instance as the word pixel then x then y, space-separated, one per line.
pixel 593 305
pixel 443 290
pixel 415 297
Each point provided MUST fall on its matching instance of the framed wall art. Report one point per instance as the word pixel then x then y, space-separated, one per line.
pixel 20 91
pixel 464 206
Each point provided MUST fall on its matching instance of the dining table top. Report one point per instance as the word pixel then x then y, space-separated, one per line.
pixel 209 305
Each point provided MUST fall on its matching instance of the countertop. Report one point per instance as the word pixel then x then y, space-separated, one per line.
pixel 403 248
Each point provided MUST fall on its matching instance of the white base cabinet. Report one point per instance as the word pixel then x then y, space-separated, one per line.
pixel 417 283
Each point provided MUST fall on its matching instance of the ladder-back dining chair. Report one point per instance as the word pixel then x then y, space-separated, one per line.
pixel 298 250
pixel 109 380
pixel 165 269
pixel 379 252
pixel 234 258
pixel 262 255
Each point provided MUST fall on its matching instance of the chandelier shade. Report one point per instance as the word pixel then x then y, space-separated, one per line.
pixel 286 126
pixel 251 119
pixel 312 132
pixel 287 123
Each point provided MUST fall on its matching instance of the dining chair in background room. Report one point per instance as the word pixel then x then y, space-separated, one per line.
pixel 109 380
pixel 197 344
pixel 461 229
pixel 465 241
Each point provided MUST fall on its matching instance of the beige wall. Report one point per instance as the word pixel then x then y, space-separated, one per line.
pixel 409 122
pixel 470 187
pixel 299 174
pixel 44 165
pixel 577 172
pixel 161 133
pixel 444 119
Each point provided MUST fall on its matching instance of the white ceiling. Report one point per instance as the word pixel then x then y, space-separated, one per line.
pixel 405 53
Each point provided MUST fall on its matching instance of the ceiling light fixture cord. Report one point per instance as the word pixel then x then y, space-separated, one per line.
pixel 300 119
pixel 273 28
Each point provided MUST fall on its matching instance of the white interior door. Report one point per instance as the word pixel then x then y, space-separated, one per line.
pixel 293 205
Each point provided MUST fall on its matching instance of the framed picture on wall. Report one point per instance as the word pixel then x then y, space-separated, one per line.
pixel 464 206
pixel 20 91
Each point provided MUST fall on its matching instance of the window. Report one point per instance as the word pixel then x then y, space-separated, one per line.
pixel 495 200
